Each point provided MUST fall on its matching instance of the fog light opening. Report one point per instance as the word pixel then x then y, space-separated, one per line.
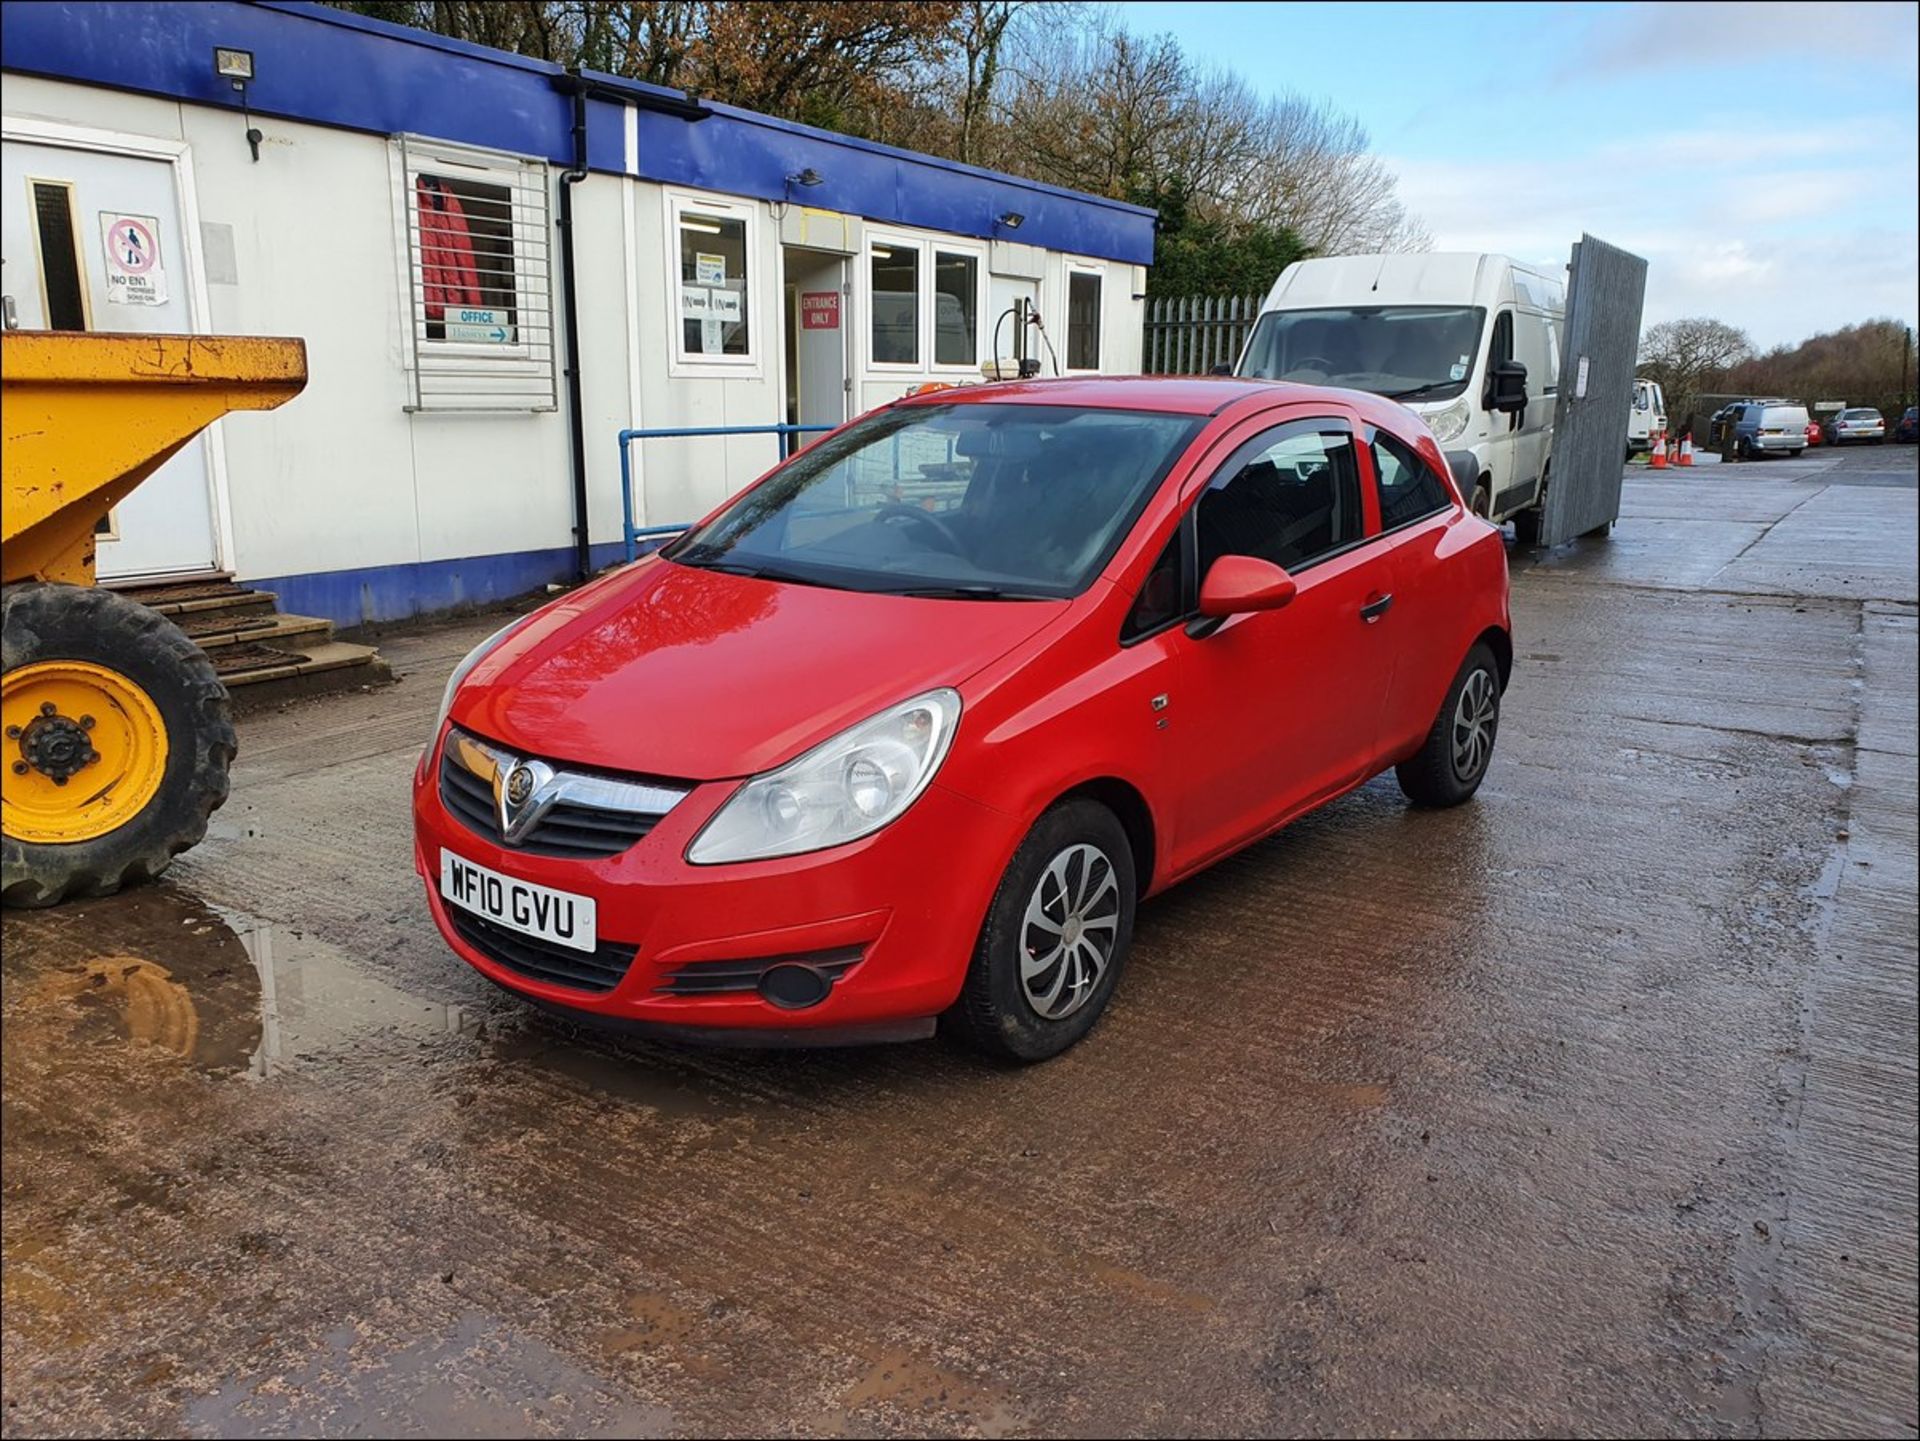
pixel 793 987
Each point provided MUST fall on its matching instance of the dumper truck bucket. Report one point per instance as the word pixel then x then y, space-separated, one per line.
pixel 87 417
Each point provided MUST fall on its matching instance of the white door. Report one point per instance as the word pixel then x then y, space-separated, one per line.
pixel 92 241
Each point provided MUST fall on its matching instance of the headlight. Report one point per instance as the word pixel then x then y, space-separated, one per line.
pixel 461 671
pixel 839 791
pixel 1449 423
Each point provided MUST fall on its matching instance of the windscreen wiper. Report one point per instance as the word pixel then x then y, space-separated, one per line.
pixel 967 592
pixel 1418 390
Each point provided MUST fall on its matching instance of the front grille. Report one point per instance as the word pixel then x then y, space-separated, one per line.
pixel 711 978
pixel 569 829
pixel 543 960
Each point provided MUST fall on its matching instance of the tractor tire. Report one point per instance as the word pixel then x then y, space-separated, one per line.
pixel 117 740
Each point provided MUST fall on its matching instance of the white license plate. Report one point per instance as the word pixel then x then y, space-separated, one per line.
pixel 557 916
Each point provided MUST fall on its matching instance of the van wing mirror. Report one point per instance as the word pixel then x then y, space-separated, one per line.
pixel 1509 387
pixel 1221 368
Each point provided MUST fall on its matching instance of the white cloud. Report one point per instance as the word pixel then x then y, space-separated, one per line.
pixel 1850 35
pixel 1779 249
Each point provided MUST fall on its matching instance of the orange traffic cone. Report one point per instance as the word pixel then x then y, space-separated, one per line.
pixel 1658 458
pixel 1686 448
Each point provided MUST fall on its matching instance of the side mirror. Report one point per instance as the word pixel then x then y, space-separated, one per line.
pixel 1220 368
pixel 1509 386
pixel 1240 583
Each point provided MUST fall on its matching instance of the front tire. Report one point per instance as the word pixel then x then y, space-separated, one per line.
pixel 1453 760
pixel 1055 939
pixel 107 695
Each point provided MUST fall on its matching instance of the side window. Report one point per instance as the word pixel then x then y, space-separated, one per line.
pixel 1409 491
pixel 1162 596
pixel 1289 496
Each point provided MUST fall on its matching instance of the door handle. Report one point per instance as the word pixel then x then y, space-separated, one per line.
pixel 1374 609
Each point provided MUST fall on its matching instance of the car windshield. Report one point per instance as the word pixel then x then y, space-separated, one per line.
pixel 973 501
pixel 1404 351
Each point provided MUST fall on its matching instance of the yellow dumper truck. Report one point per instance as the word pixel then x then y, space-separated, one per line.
pixel 117 734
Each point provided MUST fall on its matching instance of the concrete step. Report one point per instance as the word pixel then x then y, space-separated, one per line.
pixel 215 630
pixel 271 677
pixel 175 599
pixel 264 657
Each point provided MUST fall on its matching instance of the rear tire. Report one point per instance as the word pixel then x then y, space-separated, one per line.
pixel 1040 978
pixel 1453 760
pixel 41 623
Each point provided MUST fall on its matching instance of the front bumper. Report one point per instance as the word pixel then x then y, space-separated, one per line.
pixel 905 905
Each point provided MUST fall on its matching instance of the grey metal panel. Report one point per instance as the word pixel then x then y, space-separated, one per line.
pixel 1605 289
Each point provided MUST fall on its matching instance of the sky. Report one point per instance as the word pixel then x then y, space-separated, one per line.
pixel 1763 157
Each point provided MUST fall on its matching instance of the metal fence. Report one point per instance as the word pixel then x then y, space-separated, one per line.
pixel 1190 334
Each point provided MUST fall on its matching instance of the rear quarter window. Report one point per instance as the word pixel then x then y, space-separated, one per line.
pixel 1409 490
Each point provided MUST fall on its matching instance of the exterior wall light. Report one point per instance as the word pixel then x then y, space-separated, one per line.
pixel 236 67
pixel 1011 219
pixel 808 177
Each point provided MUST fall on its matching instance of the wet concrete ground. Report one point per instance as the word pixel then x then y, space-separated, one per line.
pixel 1588 1108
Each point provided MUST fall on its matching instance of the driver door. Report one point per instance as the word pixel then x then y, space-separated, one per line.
pixel 1276 710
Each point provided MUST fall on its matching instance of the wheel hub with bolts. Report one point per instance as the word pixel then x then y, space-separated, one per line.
pixel 55 745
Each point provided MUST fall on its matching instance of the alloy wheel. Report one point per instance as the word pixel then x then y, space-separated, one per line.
pixel 1475 719
pixel 1068 931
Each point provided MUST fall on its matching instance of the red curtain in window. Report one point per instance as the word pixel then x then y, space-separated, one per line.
pixel 448 275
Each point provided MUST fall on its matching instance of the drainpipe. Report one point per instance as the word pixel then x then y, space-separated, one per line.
pixel 576 419
pixel 580 87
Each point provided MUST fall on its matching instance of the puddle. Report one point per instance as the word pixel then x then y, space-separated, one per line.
pixel 174 980
pixel 479 1377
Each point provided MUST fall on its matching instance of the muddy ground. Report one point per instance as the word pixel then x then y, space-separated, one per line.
pixel 1587 1108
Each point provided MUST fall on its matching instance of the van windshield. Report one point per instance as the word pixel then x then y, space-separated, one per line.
pixel 1407 352
pixel 981 501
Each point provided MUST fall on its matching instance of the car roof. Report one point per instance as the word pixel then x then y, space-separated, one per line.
pixel 1173 394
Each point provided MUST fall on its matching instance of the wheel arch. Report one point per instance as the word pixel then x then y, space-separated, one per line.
pixel 1135 817
pixel 1496 639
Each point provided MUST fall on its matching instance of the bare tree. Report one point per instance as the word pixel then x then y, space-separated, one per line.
pixel 1687 355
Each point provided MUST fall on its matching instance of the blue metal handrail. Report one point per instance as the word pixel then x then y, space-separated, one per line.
pixel 630 532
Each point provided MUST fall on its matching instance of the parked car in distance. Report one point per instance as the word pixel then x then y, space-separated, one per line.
pixel 1906 430
pixel 1814 435
pixel 1857 423
pixel 908 729
pixel 1769 428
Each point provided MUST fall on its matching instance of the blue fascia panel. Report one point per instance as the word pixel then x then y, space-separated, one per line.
pixel 370 595
pixel 327 67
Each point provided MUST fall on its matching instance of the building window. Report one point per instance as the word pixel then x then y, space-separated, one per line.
pixel 1083 319
pixel 61 274
pixel 956 308
pixel 713 247
pixel 480 312
pixel 895 273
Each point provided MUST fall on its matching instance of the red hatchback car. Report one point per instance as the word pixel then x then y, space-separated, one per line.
pixel 908 729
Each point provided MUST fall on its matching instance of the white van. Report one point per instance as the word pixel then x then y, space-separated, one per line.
pixel 1469 342
pixel 1648 417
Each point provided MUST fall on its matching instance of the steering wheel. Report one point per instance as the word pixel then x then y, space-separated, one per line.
pixel 900 510
pixel 1312 362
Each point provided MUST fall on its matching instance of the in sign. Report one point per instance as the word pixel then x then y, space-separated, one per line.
pixel 819 310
